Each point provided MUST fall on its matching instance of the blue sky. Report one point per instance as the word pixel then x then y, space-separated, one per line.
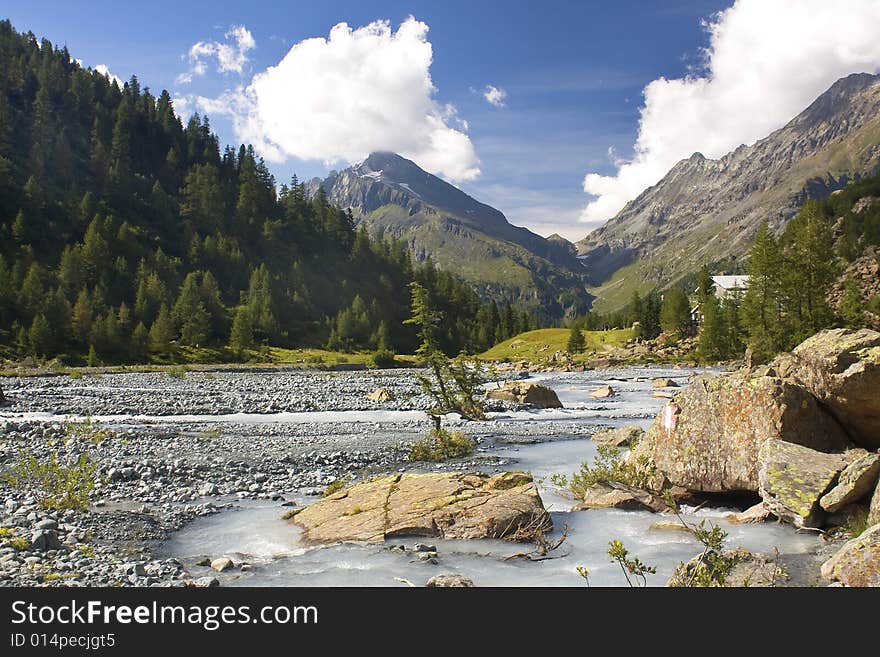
pixel 573 74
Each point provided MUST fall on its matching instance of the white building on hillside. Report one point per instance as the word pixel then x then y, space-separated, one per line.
pixel 726 287
pixel 730 286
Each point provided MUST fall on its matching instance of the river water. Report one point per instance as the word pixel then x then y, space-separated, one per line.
pixel 554 443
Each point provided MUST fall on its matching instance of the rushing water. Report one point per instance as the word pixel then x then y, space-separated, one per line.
pixel 256 534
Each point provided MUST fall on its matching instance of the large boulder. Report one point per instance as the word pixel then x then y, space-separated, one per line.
pixel 793 478
pixel 531 394
pixel 707 438
pixel 856 482
pixel 857 563
pixel 841 368
pixel 444 505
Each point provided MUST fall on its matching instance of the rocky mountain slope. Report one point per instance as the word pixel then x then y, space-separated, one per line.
pixel 706 211
pixel 393 196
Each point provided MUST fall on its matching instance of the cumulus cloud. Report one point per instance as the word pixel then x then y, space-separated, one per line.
pixel 103 70
pixel 337 99
pixel 766 61
pixel 495 96
pixel 231 55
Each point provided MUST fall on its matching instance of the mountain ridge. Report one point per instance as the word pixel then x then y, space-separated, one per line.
pixel 394 196
pixel 708 210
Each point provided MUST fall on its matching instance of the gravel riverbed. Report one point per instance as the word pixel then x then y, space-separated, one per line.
pixel 181 447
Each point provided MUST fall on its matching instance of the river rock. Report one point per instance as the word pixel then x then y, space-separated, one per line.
pixel 663 383
pixel 707 438
pixel 532 394
pixel 757 513
pixel 620 437
pixel 222 563
pixel 793 479
pixel 841 368
pixel 857 481
pixel 449 581
pixel 381 395
pixel 614 495
pixel 857 563
pixel 602 392
pixel 45 539
pixel 444 505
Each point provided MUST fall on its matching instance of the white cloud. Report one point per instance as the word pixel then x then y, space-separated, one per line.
pixel 495 96
pixel 337 99
pixel 103 70
pixel 767 61
pixel 231 55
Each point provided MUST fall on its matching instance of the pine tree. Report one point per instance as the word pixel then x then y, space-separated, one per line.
pixel 712 338
pixel 852 308
pixel 195 328
pixel 762 306
pixel 576 341
pixel 241 336
pixel 675 313
pixel 162 332
pixel 40 336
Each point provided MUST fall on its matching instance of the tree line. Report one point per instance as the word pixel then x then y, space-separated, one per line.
pixel 787 299
pixel 125 234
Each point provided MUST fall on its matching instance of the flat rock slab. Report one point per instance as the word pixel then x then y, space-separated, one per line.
pixel 857 563
pixel 793 479
pixel 443 505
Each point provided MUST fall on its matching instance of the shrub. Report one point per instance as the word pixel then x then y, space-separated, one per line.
pixel 382 359
pixel 335 486
pixel 607 466
pixel 55 485
pixel 177 372
pixel 633 568
pixel 75 374
pixel 440 445
pixel 315 359
pixel 87 432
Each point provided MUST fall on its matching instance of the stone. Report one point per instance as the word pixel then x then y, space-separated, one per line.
pixel 757 513
pixel 707 438
pixel 857 563
pixel 874 507
pixel 663 383
pixel 841 368
pixel 443 505
pixel 531 394
pixel 206 582
pixel 603 392
pixel 47 523
pixel 222 563
pixel 381 395
pixel 45 539
pixel 449 581
pixel 207 489
pixel 793 478
pixel 614 495
pixel 620 437
pixel 857 481
pixel 749 570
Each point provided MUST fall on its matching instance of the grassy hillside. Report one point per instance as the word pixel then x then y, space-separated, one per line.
pixel 542 344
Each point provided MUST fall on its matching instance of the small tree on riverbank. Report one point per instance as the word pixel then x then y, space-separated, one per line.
pixel 454 385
